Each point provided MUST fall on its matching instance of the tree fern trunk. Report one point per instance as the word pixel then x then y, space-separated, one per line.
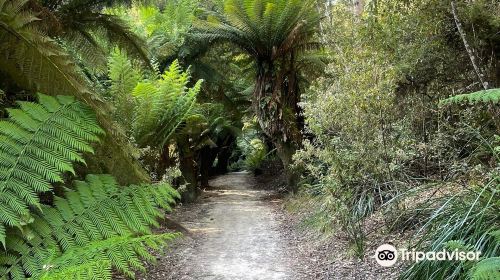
pixel 207 158
pixel 190 175
pixel 275 102
pixel 223 155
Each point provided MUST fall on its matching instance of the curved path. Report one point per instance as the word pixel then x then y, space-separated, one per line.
pixel 233 234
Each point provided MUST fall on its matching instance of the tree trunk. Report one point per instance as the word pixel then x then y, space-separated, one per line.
pixel 163 163
pixel 190 176
pixel 359 6
pixel 276 97
pixel 285 151
pixel 207 158
pixel 223 155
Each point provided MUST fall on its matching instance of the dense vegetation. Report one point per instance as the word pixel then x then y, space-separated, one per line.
pixel 372 108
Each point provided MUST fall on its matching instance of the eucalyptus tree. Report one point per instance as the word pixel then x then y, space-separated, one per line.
pixel 275 34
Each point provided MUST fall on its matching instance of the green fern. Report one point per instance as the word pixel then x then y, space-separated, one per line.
pixel 266 29
pixel 38 62
pixel 92 270
pixel 31 58
pixel 97 221
pixel 487 269
pixel 163 105
pixel 483 96
pixel 119 252
pixel 38 143
pixel 124 77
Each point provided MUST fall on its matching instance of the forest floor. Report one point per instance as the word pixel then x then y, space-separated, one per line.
pixel 239 230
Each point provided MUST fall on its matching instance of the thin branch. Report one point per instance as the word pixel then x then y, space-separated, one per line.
pixel 468 48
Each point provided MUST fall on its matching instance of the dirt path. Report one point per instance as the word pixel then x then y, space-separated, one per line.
pixel 234 234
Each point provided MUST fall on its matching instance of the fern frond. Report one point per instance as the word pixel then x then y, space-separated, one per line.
pixel 37 62
pixel 95 217
pixel 90 270
pixel 266 29
pixel 38 143
pixel 31 58
pixel 483 96
pixel 487 269
pixel 125 253
pixel 114 30
pixel 163 105
pixel 124 78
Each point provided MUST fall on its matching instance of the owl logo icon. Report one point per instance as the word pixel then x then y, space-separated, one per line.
pixel 386 255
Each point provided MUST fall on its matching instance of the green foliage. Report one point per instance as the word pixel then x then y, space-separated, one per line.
pixel 359 144
pixel 163 105
pixel 121 252
pixel 487 269
pixel 98 221
pixel 32 59
pixel 378 127
pixel 466 220
pixel 90 32
pixel 252 149
pixel 35 57
pixel 166 29
pixel 93 270
pixel 277 35
pixel 479 97
pixel 124 78
pixel 263 28
pixel 38 144
pixel 87 230
pixel 256 155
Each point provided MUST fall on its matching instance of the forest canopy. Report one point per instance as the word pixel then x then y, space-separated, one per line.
pixel 366 112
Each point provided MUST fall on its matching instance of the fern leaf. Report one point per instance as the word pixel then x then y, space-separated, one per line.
pixel 487 269
pixel 38 143
pixel 91 270
pixel 483 97
pixel 90 224
pixel 123 252
pixel 33 59
pixel 163 105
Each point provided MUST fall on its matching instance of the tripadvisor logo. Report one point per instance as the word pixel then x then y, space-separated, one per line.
pixel 387 255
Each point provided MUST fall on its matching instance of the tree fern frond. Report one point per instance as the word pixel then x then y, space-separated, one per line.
pixel 31 58
pixel 36 62
pixel 91 270
pixel 266 29
pixel 483 96
pixel 123 253
pixel 38 143
pixel 87 48
pixel 98 220
pixel 162 106
pixel 113 29
pixel 124 78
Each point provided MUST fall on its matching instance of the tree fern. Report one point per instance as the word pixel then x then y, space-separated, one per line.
pixel 98 221
pixel 267 29
pixel 38 143
pixel 123 253
pixel 124 77
pixel 37 62
pixel 162 105
pixel 483 96
pixel 31 58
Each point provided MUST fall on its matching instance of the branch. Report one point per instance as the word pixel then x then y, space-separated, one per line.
pixel 468 48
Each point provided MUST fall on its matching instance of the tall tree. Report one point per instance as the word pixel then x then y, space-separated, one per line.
pixel 275 33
